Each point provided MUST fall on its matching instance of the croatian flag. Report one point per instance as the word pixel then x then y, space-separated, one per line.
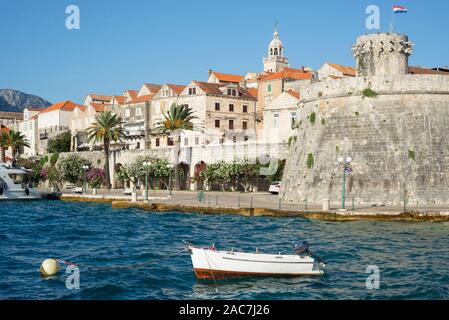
pixel 399 9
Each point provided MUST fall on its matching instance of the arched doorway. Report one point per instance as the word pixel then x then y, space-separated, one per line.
pixel 184 176
pixel 199 182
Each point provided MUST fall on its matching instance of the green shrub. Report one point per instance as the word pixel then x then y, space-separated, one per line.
pixel 60 143
pixel 369 93
pixel 310 161
pixel 411 155
pixel 312 117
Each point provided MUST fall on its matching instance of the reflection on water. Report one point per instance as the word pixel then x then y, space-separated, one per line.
pixel 131 254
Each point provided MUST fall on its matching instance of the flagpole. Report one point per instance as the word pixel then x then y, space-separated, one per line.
pixel 392 21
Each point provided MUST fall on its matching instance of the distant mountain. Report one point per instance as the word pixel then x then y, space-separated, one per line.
pixel 15 101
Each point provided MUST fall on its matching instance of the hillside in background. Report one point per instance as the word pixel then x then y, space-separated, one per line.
pixel 15 101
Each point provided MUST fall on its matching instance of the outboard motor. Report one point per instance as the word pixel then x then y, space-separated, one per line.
pixel 300 249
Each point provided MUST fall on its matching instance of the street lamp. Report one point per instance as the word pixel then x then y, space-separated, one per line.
pixel 146 165
pixel 346 164
pixel 85 168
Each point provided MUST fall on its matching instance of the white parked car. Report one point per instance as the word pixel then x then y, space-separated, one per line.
pixel 275 187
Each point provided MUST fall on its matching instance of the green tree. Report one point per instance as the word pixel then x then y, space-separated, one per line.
pixel 4 144
pixel 106 129
pixel 15 140
pixel 179 118
pixel 60 143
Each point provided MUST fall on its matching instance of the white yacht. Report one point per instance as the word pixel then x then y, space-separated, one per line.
pixel 14 184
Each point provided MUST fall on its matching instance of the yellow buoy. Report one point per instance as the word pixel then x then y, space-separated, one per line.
pixel 49 267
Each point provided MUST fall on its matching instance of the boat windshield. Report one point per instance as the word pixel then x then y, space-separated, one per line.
pixel 18 178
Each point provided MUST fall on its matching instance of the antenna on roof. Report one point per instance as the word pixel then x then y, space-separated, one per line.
pixel 275 26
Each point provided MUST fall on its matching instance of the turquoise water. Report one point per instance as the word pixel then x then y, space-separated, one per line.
pixel 132 254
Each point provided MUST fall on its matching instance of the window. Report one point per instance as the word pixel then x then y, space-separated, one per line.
pixel 158 142
pixel 217 106
pixel 217 123
pixel 186 141
pixel 231 108
pixel 293 117
pixel 127 113
pixel 197 141
pixel 275 120
pixel 221 140
pixel 192 91
pixel 169 141
pixel 231 124
pixel 245 125
pixel 269 89
pixel 232 92
pixel 234 139
pixel 138 145
pixel 245 108
pixel 246 138
pixel 138 112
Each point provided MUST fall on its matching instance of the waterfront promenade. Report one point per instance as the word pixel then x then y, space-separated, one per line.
pixel 259 203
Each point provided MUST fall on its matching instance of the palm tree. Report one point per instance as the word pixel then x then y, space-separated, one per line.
pixel 106 128
pixel 176 120
pixel 4 144
pixel 15 140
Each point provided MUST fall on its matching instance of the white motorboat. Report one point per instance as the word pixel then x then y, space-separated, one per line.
pixel 212 264
pixel 14 184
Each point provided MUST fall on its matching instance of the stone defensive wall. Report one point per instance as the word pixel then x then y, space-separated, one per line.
pixel 395 128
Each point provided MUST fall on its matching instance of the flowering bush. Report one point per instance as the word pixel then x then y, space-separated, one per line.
pixel 72 168
pixel 96 177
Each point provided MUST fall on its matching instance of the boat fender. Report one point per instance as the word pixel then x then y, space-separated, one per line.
pixel 49 267
pixel 27 191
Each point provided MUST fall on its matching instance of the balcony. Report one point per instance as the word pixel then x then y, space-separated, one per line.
pixel 135 133
pixel 43 136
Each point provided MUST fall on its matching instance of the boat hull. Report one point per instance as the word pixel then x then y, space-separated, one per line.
pixel 212 264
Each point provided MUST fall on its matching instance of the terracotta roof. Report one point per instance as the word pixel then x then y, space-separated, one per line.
pixel 132 93
pixel 214 88
pixel 100 97
pixel 64 105
pixel 177 88
pixel 287 73
pixel 211 88
pixel 253 92
pixel 144 98
pixel 347 71
pixel 421 70
pixel 226 77
pixel 98 107
pixel 153 88
pixel 294 94
pixel 120 99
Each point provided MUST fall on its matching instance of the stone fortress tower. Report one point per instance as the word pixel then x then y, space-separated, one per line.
pixel 393 124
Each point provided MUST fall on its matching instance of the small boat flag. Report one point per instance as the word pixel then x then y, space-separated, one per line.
pixel 399 9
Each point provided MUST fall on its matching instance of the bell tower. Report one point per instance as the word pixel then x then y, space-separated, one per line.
pixel 275 61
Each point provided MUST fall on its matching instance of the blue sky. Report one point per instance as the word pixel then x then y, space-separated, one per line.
pixel 122 44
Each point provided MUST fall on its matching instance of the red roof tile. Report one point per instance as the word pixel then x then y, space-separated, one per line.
pixel 98 107
pixel 100 97
pixel 421 70
pixel 294 94
pixel 144 98
pixel 177 88
pixel 226 77
pixel 347 71
pixel 287 73
pixel 64 105
pixel 153 88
